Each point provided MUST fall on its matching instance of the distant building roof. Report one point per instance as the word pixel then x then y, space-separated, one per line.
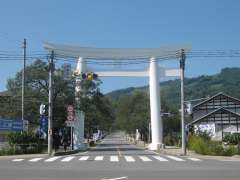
pixel 221 94
pixel 217 111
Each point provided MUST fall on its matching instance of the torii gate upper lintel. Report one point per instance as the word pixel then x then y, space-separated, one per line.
pixel 154 72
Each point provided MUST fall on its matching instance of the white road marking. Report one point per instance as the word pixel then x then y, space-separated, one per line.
pixel 175 158
pixel 67 159
pixel 52 159
pixel 160 158
pixel 83 158
pixel 98 158
pixel 35 159
pixel 129 158
pixel 17 160
pixel 125 177
pixel 114 158
pixel 194 159
pixel 153 152
pixel 144 158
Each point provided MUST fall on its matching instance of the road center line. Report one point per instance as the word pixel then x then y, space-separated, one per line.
pixel 119 152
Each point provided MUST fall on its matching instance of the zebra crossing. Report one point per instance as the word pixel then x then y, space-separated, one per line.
pixel 111 158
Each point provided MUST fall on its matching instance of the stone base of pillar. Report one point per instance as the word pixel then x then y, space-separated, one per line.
pixel 156 146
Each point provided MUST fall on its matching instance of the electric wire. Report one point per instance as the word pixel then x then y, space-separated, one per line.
pixel 171 55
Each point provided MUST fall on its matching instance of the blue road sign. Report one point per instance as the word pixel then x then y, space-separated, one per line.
pixel 11 125
pixel 44 124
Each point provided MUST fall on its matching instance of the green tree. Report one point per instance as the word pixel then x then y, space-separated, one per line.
pixel 36 92
pixel 133 113
pixel 97 108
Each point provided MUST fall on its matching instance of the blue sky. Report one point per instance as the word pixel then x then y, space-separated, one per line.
pixel 108 23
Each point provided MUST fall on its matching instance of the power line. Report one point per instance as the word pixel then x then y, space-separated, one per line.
pixel 34 55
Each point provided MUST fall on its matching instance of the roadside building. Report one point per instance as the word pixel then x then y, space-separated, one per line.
pixel 217 115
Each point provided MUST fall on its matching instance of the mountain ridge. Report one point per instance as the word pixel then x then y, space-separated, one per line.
pixel 226 81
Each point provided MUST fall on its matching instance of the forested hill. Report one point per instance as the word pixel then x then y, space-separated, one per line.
pixel 227 81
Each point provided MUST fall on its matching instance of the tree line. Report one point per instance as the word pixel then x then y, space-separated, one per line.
pixel 97 107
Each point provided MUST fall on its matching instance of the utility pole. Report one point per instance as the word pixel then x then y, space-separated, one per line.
pixel 50 104
pixel 182 68
pixel 23 76
pixel 149 132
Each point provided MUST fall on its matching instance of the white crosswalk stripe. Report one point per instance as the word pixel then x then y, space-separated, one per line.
pixel 160 158
pixel 83 158
pixel 98 158
pixel 17 160
pixel 114 158
pixel 175 158
pixel 194 159
pixel 129 158
pixel 67 159
pixel 35 159
pixel 145 158
pixel 52 159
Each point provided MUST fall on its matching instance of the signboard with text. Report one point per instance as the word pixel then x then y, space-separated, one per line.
pixel 70 116
pixel 11 125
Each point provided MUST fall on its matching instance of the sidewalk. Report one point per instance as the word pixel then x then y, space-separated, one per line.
pixel 20 156
pixel 177 151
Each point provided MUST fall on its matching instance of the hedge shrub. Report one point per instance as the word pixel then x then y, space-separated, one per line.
pixel 206 146
pixel 23 143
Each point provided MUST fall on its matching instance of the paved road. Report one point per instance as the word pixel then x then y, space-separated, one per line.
pixel 116 159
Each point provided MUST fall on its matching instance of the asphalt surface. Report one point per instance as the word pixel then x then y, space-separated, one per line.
pixel 115 159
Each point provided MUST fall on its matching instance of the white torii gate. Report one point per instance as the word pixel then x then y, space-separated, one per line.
pixel 154 72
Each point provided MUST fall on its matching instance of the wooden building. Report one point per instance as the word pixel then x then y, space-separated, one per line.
pixel 219 114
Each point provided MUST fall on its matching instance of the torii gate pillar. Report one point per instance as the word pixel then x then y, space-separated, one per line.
pixel 155 106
